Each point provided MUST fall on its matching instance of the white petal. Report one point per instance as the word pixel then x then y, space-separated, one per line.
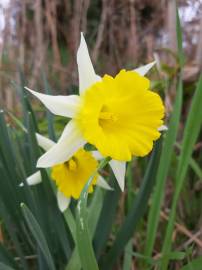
pixel 144 69
pixel 87 75
pixel 44 142
pixel 33 179
pixel 102 183
pixel 63 202
pixel 60 105
pixel 163 128
pixel 70 141
pixel 119 170
pixel 97 155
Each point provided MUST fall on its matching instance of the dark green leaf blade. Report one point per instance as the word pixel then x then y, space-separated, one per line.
pixel 137 211
pixel 38 235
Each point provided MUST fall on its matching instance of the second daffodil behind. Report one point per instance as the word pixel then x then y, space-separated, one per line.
pixel 120 116
pixel 71 176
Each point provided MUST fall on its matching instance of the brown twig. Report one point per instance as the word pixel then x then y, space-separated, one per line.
pixel 182 229
pixel 100 32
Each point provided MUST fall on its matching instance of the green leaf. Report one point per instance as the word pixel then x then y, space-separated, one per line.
pixel 137 211
pixel 142 257
pixel 74 262
pixel 84 244
pixel 95 209
pixel 69 218
pixel 93 213
pixel 193 265
pixel 13 234
pixel 191 132
pixel 193 164
pixel 196 168
pixel 128 255
pixel 127 262
pixel 107 216
pixel 163 169
pixel 38 235
pixel 176 255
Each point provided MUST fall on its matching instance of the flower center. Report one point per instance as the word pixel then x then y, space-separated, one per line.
pixel 108 116
pixel 71 165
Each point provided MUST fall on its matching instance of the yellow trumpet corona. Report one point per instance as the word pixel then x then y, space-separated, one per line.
pixel 121 116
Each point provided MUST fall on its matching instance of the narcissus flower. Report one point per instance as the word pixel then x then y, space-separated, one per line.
pixel 120 116
pixel 71 176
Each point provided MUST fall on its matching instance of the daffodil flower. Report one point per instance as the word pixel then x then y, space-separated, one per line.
pixel 120 116
pixel 71 176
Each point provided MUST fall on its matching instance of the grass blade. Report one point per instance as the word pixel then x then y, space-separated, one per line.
pixel 84 242
pixel 107 216
pixel 38 235
pixel 127 261
pixel 93 213
pixel 191 133
pixel 193 265
pixel 74 262
pixel 95 210
pixel 128 255
pixel 170 137
pixel 165 161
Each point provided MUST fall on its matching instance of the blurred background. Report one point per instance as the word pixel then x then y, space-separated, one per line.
pixel 43 35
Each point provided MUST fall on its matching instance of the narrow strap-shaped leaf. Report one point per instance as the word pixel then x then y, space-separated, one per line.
pixel 191 132
pixel 13 234
pixel 84 243
pixel 195 264
pixel 74 262
pixel 5 147
pixel 69 218
pixel 137 211
pixel 163 169
pixel 38 235
pixel 95 209
pixel 127 261
pixel 107 216
pixel 93 214
pixel 193 164
pixel 128 255
pixel 48 213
